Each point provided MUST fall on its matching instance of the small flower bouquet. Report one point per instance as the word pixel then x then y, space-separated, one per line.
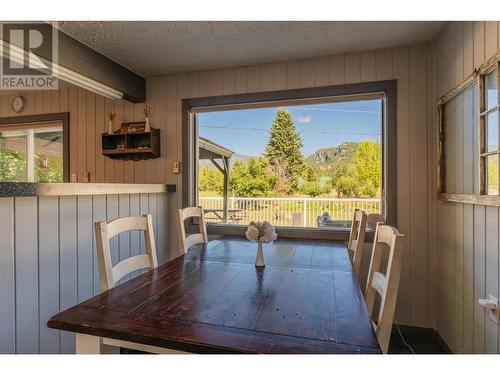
pixel 260 232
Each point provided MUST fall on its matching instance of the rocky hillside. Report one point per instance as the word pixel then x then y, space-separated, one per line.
pixel 323 159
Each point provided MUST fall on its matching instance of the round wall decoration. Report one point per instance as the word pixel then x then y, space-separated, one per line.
pixel 18 103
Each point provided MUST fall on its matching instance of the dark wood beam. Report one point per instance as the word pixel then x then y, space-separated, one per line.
pixel 76 56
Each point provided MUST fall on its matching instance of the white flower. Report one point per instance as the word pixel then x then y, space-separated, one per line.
pixel 252 233
pixel 269 234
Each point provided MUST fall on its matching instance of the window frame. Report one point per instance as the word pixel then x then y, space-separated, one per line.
pixel 483 133
pixel 38 121
pixel 388 140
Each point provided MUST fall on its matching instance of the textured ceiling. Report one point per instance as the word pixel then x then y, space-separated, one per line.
pixel 156 48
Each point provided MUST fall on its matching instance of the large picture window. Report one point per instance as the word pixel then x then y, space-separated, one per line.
pixel 300 162
pixel 34 148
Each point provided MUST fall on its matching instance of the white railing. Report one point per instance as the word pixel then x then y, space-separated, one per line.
pixel 301 212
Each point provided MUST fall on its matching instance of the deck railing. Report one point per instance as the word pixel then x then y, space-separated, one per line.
pixel 302 212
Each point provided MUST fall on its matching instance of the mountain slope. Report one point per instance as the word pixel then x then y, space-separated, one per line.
pixel 324 158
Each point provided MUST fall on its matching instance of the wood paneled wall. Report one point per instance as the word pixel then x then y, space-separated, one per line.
pixel 467 247
pixel 48 261
pixel 411 66
pixel 88 120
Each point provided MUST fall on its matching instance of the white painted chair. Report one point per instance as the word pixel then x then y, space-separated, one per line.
pixel 385 285
pixel 356 242
pixel 195 238
pixel 109 275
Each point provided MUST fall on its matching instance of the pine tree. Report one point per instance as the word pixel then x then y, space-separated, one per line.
pixel 283 149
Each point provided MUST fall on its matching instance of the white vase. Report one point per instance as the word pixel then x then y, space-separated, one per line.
pixel 147 127
pixel 110 127
pixel 259 261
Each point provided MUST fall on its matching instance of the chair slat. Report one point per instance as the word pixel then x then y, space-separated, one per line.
pixel 104 231
pixel 130 265
pixel 189 240
pixel 125 224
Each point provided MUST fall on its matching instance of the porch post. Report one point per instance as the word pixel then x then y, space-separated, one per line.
pixel 225 161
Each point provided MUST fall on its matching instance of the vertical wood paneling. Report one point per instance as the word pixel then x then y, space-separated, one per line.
pixel 383 64
pixel 292 75
pixel 322 71
pixel 98 214
pixel 84 242
pixel 90 125
pixel 48 261
pixel 135 236
pixel 491 38
pixel 468 47
pixel 128 116
pixel 491 268
pixel 7 278
pixel 119 164
pixel 307 73
pixel 112 208
pixel 73 129
pixel 479 276
pixel 81 123
pixel 143 209
pixel 48 265
pixel 26 243
pixel 162 228
pixel 368 66
pixel 337 70
pixel 418 191
pixel 401 63
pixel 100 124
pixel 68 268
pixel 124 238
pixel 469 267
pixel 109 164
pixel 352 68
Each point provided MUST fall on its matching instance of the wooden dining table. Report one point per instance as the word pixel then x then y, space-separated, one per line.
pixel 214 300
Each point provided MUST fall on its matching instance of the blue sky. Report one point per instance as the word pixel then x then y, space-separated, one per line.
pixel 246 131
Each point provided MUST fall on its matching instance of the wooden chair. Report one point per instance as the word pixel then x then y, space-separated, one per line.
pixel 385 285
pixel 356 242
pixel 196 238
pixel 109 275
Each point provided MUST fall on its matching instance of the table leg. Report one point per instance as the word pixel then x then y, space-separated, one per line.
pixel 88 344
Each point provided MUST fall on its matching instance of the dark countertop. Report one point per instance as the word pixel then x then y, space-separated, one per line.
pixel 35 189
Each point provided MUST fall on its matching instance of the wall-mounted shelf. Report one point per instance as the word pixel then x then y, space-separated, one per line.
pixel 137 145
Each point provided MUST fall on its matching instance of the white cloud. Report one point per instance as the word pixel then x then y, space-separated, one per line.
pixel 304 119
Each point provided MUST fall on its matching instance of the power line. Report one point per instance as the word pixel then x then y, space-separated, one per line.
pixel 332 110
pixel 300 131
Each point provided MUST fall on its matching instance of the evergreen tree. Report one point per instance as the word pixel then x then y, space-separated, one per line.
pixel 283 149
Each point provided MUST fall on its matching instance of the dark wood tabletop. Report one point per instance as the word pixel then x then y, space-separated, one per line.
pixel 214 300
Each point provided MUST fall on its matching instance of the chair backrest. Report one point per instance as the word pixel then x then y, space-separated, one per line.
pixel 109 275
pixel 356 242
pixel 385 285
pixel 195 238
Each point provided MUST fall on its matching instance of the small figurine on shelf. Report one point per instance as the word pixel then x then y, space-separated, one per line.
pixel 147 111
pixel 111 117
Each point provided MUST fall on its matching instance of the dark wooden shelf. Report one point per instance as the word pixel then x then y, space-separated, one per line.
pixel 137 146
